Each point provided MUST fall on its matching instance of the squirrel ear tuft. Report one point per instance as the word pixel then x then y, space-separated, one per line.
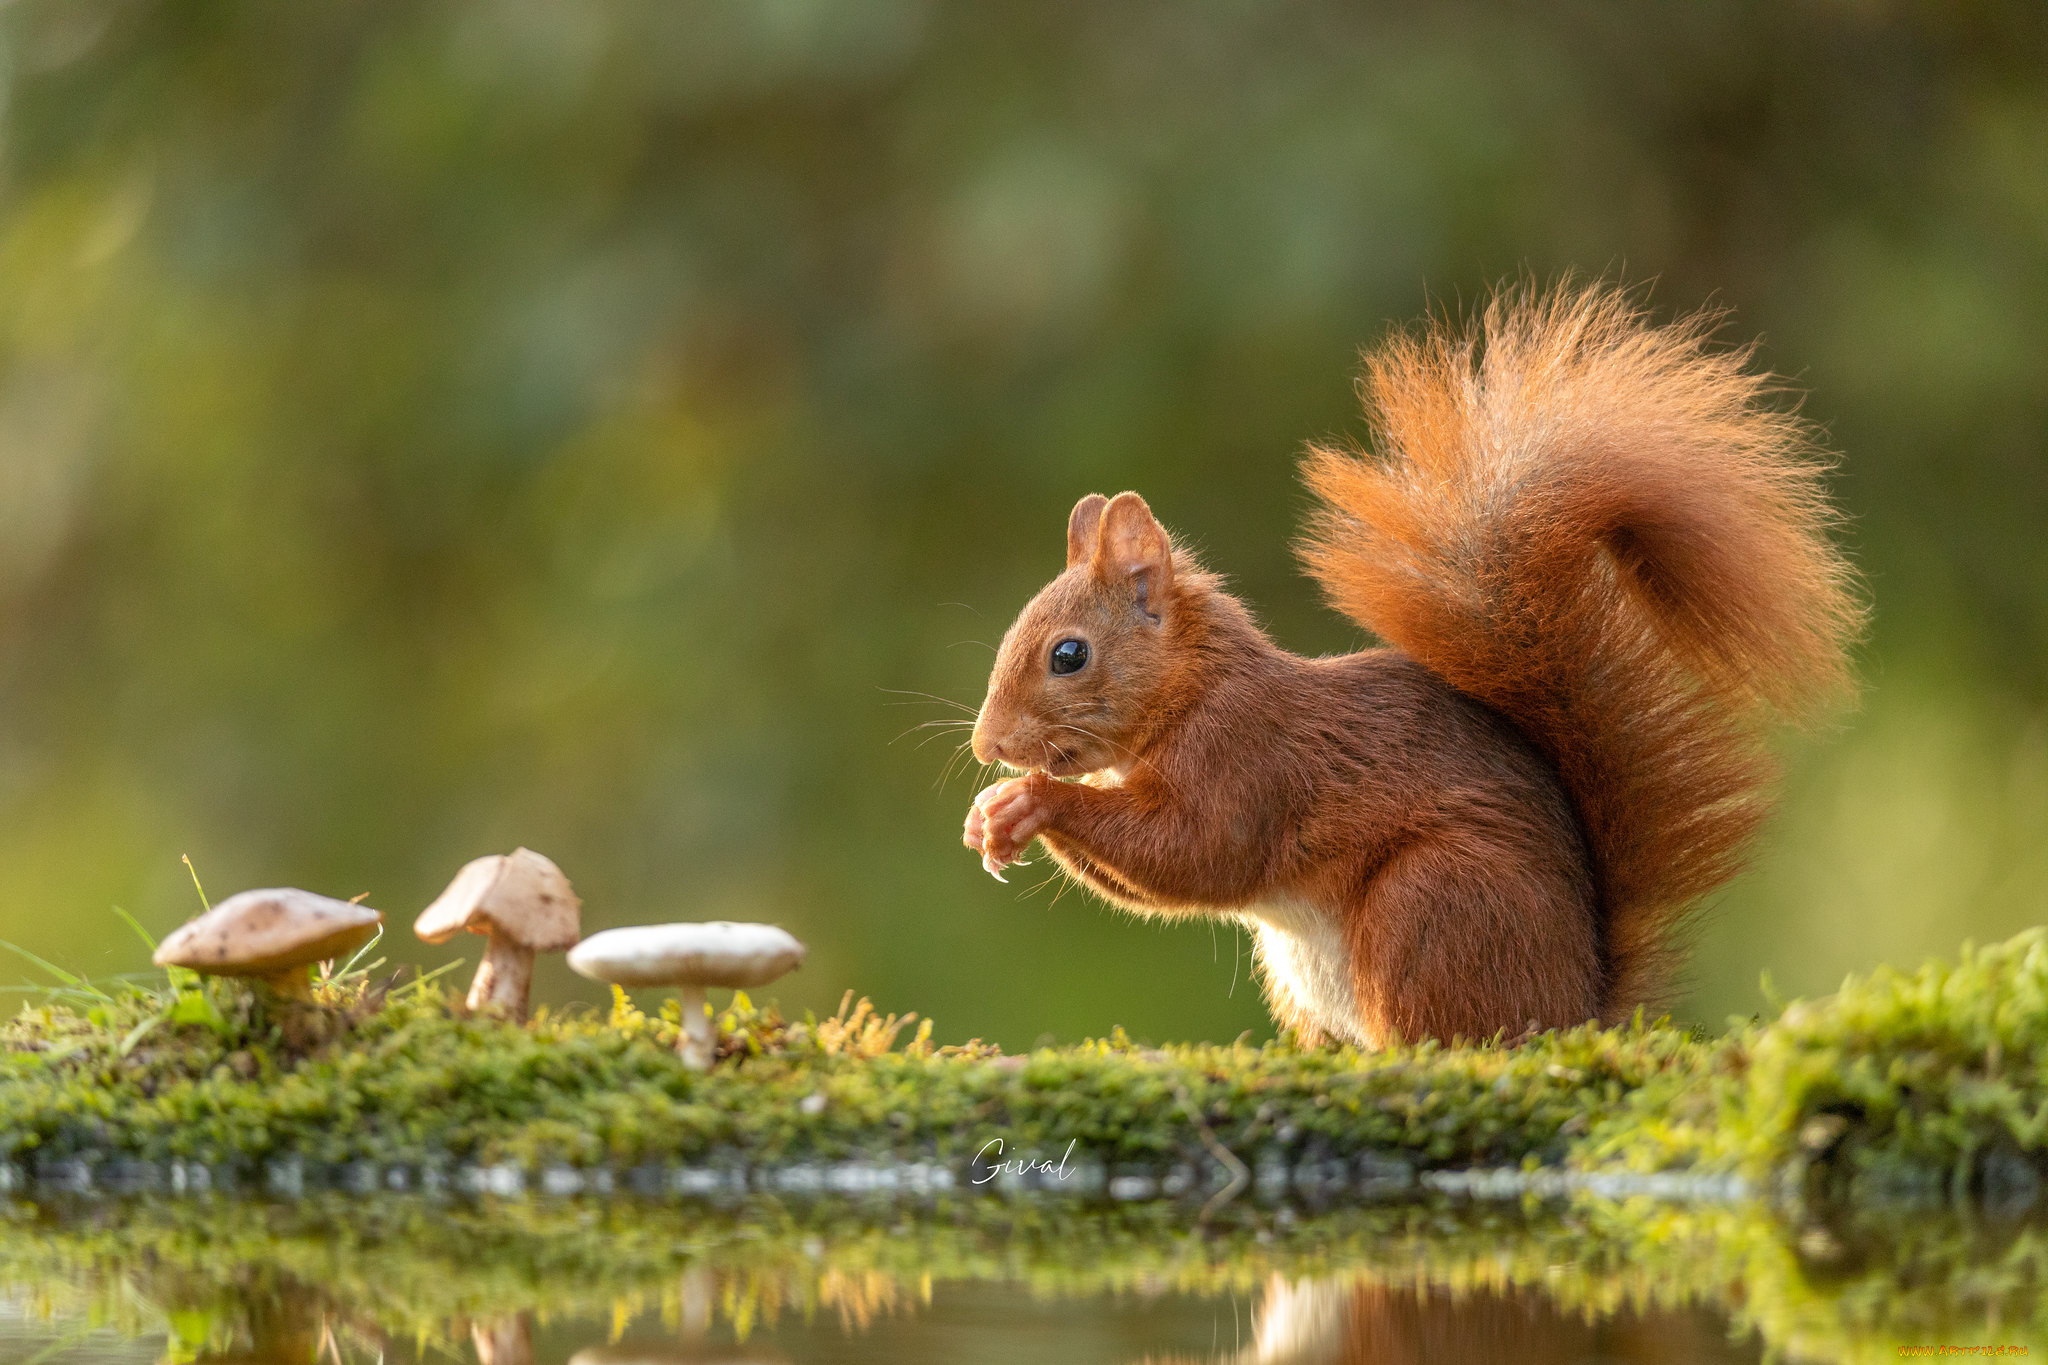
pixel 1133 545
pixel 1082 524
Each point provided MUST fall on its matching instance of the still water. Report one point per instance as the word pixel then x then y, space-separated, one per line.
pixel 1293 1322
pixel 606 1283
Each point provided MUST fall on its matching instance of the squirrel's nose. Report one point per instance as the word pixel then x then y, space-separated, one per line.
pixel 988 747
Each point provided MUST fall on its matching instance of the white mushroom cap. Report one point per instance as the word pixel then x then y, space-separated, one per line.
pixel 265 932
pixel 521 895
pixel 718 953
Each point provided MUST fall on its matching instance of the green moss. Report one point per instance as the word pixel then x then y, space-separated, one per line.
pixel 415 1083
pixel 1934 1082
pixel 1902 1086
pixel 1920 1083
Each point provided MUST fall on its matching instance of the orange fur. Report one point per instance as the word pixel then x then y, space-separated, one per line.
pixel 1601 563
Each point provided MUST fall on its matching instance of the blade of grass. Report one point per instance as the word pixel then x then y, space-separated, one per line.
pixel 51 992
pixel 374 940
pixel 75 982
pixel 195 880
pixel 423 978
pixel 136 925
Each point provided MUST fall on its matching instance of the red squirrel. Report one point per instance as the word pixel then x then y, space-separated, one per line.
pixel 1600 560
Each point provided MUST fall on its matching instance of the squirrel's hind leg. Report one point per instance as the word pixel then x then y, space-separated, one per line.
pixel 1451 942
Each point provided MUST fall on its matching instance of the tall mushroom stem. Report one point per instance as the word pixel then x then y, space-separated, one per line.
pixel 698 1039
pixel 504 979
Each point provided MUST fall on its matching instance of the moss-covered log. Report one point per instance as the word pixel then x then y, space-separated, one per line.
pixel 1933 1082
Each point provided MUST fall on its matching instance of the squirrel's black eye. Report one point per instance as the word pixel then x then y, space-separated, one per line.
pixel 1069 656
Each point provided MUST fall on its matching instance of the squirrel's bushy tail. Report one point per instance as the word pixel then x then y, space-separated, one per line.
pixel 1602 529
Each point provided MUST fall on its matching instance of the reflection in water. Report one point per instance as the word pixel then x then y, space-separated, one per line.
pixel 1334 1320
pixel 1301 1322
pixel 672 1355
pixel 544 1283
pixel 1342 1321
pixel 504 1341
pixel 693 1343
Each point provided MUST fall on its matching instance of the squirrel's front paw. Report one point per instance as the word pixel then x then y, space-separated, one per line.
pixel 1005 818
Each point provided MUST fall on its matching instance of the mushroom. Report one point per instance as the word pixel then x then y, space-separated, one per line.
pixel 273 935
pixel 690 957
pixel 523 903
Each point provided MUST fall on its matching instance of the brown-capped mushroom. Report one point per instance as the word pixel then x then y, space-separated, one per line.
pixel 689 957
pixel 523 904
pixel 272 934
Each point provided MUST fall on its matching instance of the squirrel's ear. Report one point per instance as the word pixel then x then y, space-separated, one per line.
pixel 1133 545
pixel 1082 525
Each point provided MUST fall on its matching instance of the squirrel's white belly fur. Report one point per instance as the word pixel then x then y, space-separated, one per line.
pixel 1304 957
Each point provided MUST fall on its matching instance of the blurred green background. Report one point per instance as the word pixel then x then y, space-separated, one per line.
pixel 432 427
